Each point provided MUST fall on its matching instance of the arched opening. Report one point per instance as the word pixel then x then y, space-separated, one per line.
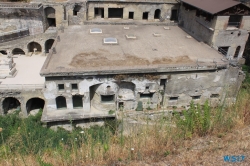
pixel 157 14
pixel 3 52
pixel 18 51
pixel 34 104
pixel 50 16
pixel 34 47
pixel 77 8
pixel 77 101
pixel 61 102
pixel 11 104
pixel 237 52
pixel 48 45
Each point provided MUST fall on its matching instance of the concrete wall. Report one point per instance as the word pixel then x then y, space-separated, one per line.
pixel 185 86
pixel 23 96
pixel 197 26
pixel 137 8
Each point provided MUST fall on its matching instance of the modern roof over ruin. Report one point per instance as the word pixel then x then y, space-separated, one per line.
pixel 212 6
pixel 81 53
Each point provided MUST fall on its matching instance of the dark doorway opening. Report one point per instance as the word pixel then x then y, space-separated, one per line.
pixel 223 50
pixel 174 15
pixel 107 98
pixel 99 12
pixel 237 52
pixel 34 103
pixel 145 15
pixel 157 14
pixel 18 51
pixel 3 52
pixel 115 13
pixel 34 47
pixel 131 15
pixel 77 101
pixel 10 103
pixel 48 45
pixel 121 105
pixel 77 8
pixel 61 102
pixel 50 15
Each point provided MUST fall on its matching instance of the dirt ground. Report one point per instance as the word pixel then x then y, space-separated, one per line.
pixel 94 59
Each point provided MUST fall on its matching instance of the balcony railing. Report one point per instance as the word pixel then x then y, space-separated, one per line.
pixel 13 35
pixel 234 24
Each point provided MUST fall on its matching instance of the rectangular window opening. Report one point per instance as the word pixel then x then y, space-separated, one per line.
pixel 107 98
pixel 115 12
pixel 74 86
pixel 223 50
pixel 234 21
pixel 147 87
pixel 196 97
pixel 173 98
pixel 99 12
pixel 131 15
pixel 214 96
pixel 145 15
pixel 121 105
pixel 60 86
pixel 147 95
pixel 174 15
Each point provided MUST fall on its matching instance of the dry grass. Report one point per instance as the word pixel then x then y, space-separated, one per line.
pixel 157 144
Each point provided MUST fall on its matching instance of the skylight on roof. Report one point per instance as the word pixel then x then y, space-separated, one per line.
pixel 130 36
pixel 110 40
pixel 95 30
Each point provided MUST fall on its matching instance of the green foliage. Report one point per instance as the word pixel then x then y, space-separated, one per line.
pixel 111 112
pixel 195 120
pixel 139 106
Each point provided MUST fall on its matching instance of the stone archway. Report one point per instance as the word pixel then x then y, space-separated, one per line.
pixel 10 104
pixel 48 44
pixel 18 51
pixel 157 14
pixel 34 104
pixel 34 47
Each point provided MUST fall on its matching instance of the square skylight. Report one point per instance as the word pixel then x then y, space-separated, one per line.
pixel 130 36
pixel 110 40
pixel 95 30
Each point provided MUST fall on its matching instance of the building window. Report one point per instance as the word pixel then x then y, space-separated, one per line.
pixel 214 96
pixel 147 95
pixel 173 98
pixel 107 98
pixel 60 86
pixel 223 50
pixel 74 86
pixel 77 101
pixel 145 15
pixel 237 52
pixel 61 102
pixel 196 97
pixel 234 21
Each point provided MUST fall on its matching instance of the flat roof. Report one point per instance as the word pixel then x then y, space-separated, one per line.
pixel 80 52
pixel 212 6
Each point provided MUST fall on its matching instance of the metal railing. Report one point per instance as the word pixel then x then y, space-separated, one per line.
pixel 234 24
pixel 222 51
pixel 21 86
pixel 12 35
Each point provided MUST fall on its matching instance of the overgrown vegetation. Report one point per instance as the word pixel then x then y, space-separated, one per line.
pixel 27 142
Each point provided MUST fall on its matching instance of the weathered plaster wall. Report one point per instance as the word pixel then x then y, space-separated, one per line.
pixel 197 26
pixel 137 8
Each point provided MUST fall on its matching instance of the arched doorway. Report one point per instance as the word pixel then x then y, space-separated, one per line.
pixel 34 104
pixel 61 102
pixel 18 51
pixel 34 47
pixel 3 52
pixel 77 8
pixel 48 45
pixel 237 52
pixel 11 104
pixel 77 101
pixel 50 16
pixel 157 14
